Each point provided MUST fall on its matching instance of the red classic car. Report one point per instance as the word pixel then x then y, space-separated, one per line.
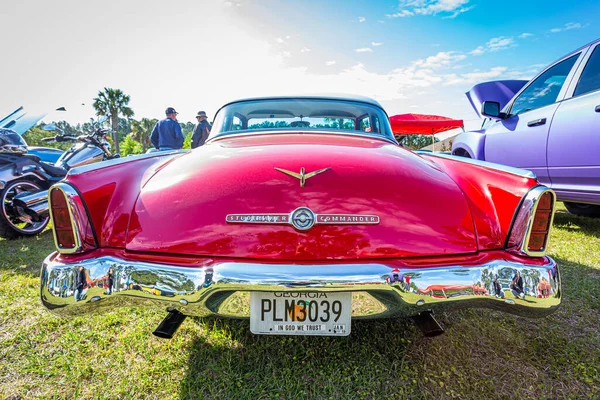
pixel 301 213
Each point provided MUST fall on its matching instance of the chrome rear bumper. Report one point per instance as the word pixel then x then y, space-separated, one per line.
pixel 222 289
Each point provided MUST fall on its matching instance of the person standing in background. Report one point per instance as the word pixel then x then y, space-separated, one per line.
pixel 201 130
pixel 110 281
pixel 80 281
pixel 167 134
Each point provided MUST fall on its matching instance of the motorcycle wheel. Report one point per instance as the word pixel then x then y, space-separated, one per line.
pixel 14 222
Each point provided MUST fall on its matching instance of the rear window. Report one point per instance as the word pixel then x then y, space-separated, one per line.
pixel 277 115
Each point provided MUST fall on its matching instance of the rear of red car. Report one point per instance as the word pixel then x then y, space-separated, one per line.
pixel 302 232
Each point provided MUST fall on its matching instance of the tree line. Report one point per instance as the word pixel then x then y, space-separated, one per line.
pixel 131 136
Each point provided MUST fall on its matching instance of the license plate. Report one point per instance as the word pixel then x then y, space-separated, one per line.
pixel 300 313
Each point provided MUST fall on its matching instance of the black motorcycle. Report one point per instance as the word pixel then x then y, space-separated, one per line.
pixel 25 180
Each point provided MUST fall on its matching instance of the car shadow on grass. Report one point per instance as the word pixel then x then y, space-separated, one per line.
pixel 573 223
pixel 484 354
pixel 369 362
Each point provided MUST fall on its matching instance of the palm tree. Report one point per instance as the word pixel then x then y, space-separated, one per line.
pixel 141 131
pixel 112 102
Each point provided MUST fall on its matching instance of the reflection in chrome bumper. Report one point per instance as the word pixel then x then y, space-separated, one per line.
pixel 222 289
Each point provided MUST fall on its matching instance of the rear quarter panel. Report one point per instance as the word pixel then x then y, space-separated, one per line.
pixel 110 194
pixel 492 195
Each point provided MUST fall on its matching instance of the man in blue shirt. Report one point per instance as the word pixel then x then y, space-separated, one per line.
pixel 167 134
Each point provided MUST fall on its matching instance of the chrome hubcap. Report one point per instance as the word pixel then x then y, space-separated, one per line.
pixel 16 217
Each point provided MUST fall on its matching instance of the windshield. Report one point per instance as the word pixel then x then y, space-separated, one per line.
pixel 337 116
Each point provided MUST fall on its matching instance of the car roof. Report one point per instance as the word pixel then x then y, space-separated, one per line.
pixel 343 97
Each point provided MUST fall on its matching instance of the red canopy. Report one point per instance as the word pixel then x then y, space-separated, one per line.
pixel 420 124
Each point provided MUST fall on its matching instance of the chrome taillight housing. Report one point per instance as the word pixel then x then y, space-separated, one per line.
pixel 532 222
pixel 71 225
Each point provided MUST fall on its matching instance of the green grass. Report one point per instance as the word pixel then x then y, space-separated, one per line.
pixel 483 353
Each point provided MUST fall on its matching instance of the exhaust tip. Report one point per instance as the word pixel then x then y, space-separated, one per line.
pixel 428 324
pixel 167 328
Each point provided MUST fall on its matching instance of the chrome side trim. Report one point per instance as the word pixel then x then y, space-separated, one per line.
pixel 221 288
pixel 522 223
pixel 499 167
pixel 118 161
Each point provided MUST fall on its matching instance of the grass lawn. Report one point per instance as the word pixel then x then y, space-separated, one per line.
pixel 483 354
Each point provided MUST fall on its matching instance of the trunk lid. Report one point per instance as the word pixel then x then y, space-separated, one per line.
pixel 183 208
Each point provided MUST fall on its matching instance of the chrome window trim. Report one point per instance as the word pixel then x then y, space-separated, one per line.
pixel 522 223
pixel 486 164
pixel 577 76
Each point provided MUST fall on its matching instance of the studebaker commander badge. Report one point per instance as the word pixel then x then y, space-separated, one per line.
pixel 303 219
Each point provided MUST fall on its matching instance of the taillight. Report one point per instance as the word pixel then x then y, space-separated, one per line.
pixel 531 225
pixel 540 227
pixel 71 227
pixel 62 221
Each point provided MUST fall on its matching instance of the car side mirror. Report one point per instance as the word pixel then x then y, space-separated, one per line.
pixel 491 109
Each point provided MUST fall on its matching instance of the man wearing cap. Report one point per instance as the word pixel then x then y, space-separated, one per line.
pixel 167 134
pixel 201 130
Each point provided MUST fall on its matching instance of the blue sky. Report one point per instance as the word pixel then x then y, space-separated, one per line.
pixel 413 55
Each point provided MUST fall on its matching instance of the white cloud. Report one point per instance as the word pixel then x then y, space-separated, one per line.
pixel 400 14
pixel 279 40
pixel 364 50
pixel 500 43
pixel 525 35
pixel 375 44
pixel 474 77
pixel 286 54
pixel 381 21
pixel 332 62
pixel 305 50
pixel 441 59
pixel 478 51
pixel 494 44
pixel 568 26
pixel 448 8
pixel 456 13
pixel 361 19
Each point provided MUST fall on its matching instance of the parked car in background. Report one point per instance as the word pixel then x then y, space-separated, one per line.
pixel 295 209
pixel 551 126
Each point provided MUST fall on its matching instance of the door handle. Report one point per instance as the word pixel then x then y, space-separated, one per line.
pixel 536 122
pixel 597 108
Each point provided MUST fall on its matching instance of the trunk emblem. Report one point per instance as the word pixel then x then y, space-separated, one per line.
pixel 303 176
pixel 303 218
